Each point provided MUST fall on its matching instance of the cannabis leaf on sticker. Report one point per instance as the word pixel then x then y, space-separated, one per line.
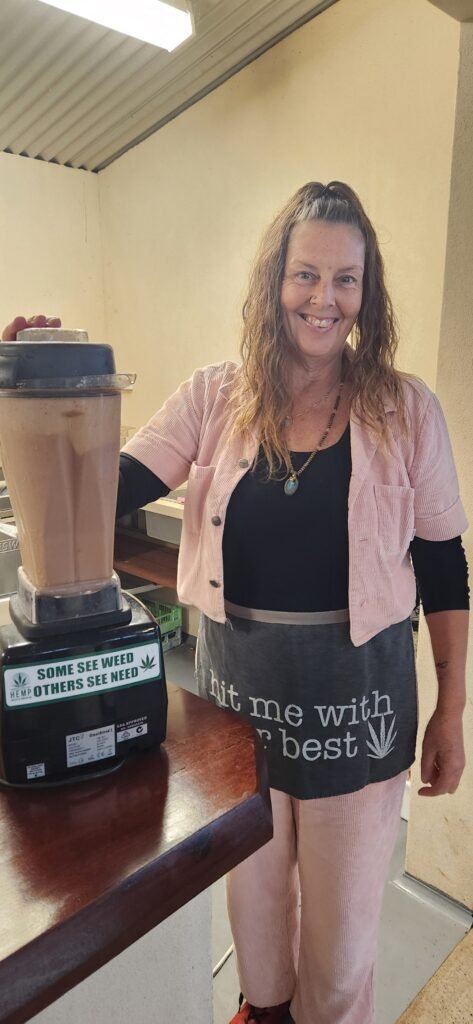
pixel 383 744
pixel 20 680
pixel 147 663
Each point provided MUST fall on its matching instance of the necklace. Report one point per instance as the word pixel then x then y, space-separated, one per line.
pixel 290 419
pixel 292 482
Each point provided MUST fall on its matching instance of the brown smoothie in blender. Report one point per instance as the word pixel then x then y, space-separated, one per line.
pixel 60 456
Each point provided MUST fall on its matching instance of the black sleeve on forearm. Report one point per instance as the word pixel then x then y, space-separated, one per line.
pixel 137 485
pixel 441 571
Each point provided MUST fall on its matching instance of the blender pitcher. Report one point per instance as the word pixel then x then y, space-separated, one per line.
pixel 60 439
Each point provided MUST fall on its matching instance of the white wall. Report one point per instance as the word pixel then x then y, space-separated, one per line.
pixel 50 252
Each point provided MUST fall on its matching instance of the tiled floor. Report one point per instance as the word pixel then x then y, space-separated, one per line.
pixel 418 930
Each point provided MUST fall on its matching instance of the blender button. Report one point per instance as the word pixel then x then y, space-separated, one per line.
pixel 214 583
pixel 216 521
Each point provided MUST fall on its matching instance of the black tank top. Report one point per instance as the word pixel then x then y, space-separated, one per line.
pixel 290 553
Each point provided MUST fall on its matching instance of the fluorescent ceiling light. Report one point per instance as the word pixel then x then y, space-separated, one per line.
pixel 149 20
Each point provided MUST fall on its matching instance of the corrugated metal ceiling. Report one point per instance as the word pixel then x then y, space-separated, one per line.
pixel 78 94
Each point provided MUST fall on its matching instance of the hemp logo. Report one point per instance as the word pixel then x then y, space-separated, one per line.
pixel 20 688
pixel 147 663
pixel 383 744
pixel 20 680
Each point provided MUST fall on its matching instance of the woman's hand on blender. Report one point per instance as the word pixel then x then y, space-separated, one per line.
pixel 20 323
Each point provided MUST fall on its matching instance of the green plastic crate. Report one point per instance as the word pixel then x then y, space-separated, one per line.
pixel 168 616
pixel 169 619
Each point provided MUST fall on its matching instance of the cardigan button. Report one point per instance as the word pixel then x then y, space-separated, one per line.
pixel 243 463
pixel 214 583
pixel 216 521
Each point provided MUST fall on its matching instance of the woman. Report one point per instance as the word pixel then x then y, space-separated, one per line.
pixel 317 477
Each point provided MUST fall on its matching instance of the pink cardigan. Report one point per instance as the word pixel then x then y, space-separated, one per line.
pixel 410 488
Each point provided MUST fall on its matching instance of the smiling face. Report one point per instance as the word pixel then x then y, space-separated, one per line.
pixel 322 287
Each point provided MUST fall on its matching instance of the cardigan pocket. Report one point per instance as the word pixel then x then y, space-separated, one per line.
pixel 198 485
pixel 395 509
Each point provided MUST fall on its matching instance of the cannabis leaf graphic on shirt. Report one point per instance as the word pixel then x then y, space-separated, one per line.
pixel 383 744
pixel 147 663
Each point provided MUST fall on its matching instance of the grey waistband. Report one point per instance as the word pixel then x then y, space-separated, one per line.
pixel 288 618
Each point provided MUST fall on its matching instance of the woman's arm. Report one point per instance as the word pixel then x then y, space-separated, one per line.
pixel 442 578
pixel 137 485
pixel 449 637
pixel 443 751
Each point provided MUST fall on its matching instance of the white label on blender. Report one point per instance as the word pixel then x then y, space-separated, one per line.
pixel 90 673
pixel 95 745
pixel 35 771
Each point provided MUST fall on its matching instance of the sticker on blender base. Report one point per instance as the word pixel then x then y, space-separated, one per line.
pixel 35 771
pixel 41 683
pixel 130 730
pixel 84 747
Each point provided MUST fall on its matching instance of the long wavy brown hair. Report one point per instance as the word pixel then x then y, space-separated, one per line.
pixel 261 392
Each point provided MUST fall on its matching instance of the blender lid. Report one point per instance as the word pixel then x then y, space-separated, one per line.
pixel 53 359
pixel 98 381
pixel 55 334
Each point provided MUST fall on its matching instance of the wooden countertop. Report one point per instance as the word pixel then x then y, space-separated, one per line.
pixel 87 869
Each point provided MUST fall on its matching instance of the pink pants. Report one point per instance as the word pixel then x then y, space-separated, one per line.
pixel 330 857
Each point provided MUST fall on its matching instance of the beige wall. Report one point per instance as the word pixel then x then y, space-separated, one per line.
pixel 440 847
pixel 50 252
pixel 365 93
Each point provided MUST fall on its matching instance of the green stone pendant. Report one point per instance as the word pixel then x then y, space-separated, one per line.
pixel 291 485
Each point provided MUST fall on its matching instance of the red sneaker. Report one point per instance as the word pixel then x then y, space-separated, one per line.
pixel 248 1014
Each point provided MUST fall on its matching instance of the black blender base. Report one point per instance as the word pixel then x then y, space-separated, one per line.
pixel 37 630
pixel 75 706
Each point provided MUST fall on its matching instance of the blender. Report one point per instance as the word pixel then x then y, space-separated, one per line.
pixel 81 668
